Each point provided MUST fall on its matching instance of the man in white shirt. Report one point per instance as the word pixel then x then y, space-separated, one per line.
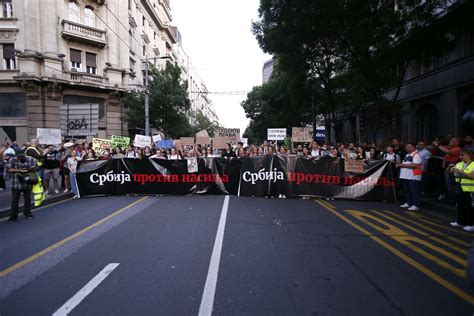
pixel 410 174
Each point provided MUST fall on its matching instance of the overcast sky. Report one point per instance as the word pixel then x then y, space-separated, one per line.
pixel 217 37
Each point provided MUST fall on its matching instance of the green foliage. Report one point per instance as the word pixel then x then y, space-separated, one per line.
pixel 169 103
pixel 202 122
pixel 276 104
pixel 354 51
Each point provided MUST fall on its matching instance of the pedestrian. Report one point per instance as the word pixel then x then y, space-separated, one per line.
pixel 228 153
pixel 174 155
pixel 391 155
pixel 72 166
pixel 20 167
pixel 158 155
pixel 51 169
pixel 410 174
pixel 34 151
pixel 464 175
pixel 315 149
pixel 118 153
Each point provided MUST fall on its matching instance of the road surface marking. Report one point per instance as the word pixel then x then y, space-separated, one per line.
pixel 459 241
pixel 42 207
pixel 86 290
pixel 442 226
pixel 207 301
pixel 424 234
pixel 41 253
pixel 448 285
pixel 411 242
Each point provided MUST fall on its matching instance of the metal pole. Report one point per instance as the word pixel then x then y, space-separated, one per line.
pixel 313 115
pixel 147 105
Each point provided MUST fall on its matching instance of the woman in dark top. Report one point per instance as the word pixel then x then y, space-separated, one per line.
pixel 228 153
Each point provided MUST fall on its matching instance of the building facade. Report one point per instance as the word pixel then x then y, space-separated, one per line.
pixel 62 60
pixel 267 71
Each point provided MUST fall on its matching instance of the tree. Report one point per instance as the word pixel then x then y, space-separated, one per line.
pixel 202 122
pixel 355 50
pixel 168 101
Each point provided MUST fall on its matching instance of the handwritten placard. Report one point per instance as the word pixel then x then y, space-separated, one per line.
pixel 353 166
pixel 99 146
pixel 48 136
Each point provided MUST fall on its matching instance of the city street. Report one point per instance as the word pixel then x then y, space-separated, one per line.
pixel 232 255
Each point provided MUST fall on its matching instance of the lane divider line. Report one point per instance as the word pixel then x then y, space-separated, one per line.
pixel 422 218
pixel 43 252
pixel 435 277
pixel 86 290
pixel 207 301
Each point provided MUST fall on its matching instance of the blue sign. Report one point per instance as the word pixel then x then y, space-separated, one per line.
pixel 320 135
pixel 167 144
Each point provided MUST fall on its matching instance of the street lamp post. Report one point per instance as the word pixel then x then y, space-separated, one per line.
pixel 147 99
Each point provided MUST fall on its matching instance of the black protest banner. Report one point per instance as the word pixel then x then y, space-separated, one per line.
pixel 268 175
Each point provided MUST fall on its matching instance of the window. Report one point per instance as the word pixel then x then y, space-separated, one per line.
pixel 75 59
pixel 13 105
pixel 132 65
pixel 6 9
pixel 9 61
pixel 143 21
pixel 91 63
pixel 144 50
pixel 89 17
pixel 73 11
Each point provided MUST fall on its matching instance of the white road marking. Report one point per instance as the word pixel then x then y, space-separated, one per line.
pixel 86 290
pixel 207 302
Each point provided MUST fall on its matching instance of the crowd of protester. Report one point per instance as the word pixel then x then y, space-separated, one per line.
pixel 423 168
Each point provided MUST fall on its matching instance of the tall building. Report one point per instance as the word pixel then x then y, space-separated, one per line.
pixel 66 63
pixel 267 71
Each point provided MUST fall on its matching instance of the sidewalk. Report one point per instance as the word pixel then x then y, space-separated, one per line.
pixel 6 198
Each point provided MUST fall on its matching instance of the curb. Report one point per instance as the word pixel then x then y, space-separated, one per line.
pixel 5 212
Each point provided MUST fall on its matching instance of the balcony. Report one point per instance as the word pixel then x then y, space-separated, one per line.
pixel 83 33
pixel 87 78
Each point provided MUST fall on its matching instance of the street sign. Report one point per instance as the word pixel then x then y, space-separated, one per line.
pixel 276 134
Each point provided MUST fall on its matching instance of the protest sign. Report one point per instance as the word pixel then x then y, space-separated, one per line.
pixel 220 142
pixel 354 166
pixel 156 138
pixel 167 144
pixel 120 141
pixel 187 141
pixel 232 133
pixel 48 136
pixel 202 133
pixel 177 144
pixel 203 140
pixel 276 134
pixel 192 164
pixel 99 145
pixel 142 141
pixel 302 134
pixel 245 142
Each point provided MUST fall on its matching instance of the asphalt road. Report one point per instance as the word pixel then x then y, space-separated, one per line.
pixel 231 256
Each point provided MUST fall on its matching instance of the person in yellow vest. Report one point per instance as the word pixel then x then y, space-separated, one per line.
pixel 34 151
pixel 464 175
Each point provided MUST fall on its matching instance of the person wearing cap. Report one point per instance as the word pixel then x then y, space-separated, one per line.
pixel 17 167
pixel 34 151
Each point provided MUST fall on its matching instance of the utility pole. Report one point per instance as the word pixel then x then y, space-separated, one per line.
pixel 313 113
pixel 147 92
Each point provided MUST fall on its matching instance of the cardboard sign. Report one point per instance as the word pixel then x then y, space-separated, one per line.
pixel 220 142
pixel 276 134
pixel 177 144
pixel 120 141
pixel 187 141
pixel 232 133
pixel 202 133
pixel 354 166
pixel 245 142
pixel 142 141
pixel 167 144
pixel 156 138
pixel 203 141
pixel 192 164
pixel 99 145
pixel 48 136
pixel 302 134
